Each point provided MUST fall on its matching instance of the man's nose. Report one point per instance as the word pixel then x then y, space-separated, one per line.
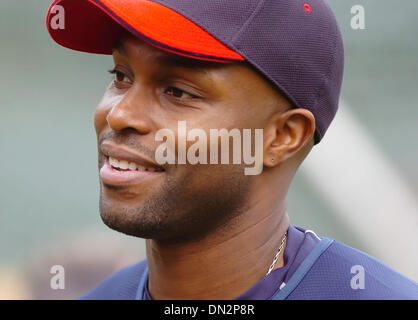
pixel 130 112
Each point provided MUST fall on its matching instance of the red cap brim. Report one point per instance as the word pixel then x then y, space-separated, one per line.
pixel 93 26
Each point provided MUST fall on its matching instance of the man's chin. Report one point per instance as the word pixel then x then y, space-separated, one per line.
pixel 123 219
pixel 175 211
pixel 134 210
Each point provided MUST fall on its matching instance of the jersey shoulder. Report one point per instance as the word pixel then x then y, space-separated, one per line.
pixel 345 273
pixel 121 285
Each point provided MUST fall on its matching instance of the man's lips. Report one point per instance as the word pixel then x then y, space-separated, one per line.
pixel 122 153
pixel 111 176
pixel 126 167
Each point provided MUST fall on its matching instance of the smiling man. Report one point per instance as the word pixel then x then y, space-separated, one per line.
pixel 211 231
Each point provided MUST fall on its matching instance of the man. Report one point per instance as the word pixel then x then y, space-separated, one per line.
pixel 213 232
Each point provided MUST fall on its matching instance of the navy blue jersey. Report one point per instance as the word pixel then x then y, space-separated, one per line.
pixel 313 268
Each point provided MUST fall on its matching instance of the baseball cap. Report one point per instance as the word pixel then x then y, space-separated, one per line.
pixel 295 44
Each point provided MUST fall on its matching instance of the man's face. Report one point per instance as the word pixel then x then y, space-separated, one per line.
pixel 154 90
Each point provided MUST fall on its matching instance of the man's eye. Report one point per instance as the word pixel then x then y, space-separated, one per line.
pixel 178 93
pixel 119 76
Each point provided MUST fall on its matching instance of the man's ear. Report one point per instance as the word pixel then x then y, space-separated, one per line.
pixel 287 133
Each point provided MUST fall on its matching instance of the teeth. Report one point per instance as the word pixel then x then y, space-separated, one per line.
pixel 124 165
pixel 113 162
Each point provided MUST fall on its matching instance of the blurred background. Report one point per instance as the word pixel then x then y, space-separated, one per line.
pixel 359 185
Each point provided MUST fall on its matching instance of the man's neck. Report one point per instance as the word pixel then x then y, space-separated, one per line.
pixel 224 264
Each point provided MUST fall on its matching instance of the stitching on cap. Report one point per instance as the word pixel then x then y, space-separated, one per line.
pixel 249 20
pixel 199 22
